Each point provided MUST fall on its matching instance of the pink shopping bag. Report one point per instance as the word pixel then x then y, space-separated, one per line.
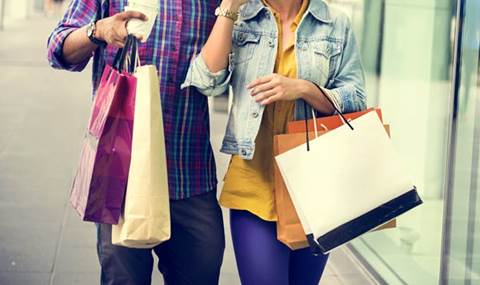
pixel 101 179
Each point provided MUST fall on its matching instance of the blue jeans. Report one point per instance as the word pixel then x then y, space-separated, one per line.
pixel 192 256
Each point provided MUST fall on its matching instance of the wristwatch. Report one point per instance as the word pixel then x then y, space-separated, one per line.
pixel 91 35
pixel 226 13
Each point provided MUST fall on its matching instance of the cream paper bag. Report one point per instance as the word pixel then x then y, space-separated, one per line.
pixel 145 221
pixel 348 183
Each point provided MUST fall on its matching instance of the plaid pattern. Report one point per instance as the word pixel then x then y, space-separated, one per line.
pixel 180 31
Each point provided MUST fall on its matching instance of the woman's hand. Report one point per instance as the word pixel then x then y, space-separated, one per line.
pixel 113 30
pixel 275 87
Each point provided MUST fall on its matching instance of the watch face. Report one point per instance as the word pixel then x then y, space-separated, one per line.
pixel 90 30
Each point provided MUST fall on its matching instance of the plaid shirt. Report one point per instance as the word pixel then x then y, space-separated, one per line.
pixel 180 31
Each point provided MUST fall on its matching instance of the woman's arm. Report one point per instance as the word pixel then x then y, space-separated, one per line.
pixel 275 87
pixel 219 44
pixel 211 70
pixel 346 88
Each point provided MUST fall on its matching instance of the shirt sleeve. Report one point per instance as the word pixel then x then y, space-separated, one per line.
pixel 347 86
pixel 78 14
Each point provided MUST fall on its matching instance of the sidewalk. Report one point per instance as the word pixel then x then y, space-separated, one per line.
pixel 43 113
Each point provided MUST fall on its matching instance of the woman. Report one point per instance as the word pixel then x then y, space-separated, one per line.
pixel 280 51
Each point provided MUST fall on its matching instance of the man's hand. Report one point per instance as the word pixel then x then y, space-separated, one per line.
pixel 275 87
pixel 113 30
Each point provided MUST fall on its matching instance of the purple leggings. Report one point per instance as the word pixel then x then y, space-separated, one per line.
pixel 262 259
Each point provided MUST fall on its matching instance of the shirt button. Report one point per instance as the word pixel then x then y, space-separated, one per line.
pixel 174 47
pixel 271 43
pixel 244 152
pixel 255 115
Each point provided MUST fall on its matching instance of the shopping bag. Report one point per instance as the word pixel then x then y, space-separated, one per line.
pixel 351 176
pixel 332 122
pixel 145 221
pixel 289 228
pixel 101 178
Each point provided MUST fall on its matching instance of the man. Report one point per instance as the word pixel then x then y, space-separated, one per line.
pixel 194 253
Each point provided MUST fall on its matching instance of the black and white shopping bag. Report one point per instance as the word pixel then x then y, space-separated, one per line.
pixel 347 182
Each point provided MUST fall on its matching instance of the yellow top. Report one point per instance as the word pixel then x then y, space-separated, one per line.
pixel 249 184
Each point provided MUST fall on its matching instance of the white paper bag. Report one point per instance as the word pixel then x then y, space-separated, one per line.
pixel 350 182
pixel 145 221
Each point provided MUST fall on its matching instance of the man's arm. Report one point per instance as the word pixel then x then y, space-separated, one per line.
pixel 69 47
pixel 112 30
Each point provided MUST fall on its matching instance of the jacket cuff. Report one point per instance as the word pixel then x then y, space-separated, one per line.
pixel 334 97
pixel 207 82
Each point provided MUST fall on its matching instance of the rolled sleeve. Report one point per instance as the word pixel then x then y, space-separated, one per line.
pixel 207 82
pixel 79 14
pixel 347 87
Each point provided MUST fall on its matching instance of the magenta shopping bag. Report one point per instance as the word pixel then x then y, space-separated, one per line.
pixel 101 179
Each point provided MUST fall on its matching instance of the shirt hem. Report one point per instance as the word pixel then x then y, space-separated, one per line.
pixel 244 205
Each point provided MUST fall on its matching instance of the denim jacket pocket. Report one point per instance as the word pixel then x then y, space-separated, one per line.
pixel 244 44
pixel 325 55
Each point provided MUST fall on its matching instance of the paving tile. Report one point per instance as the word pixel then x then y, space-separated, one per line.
pixel 229 265
pixel 17 278
pixel 32 257
pixel 229 279
pixel 353 279
pixel 78 260
pixel 30 214
pixel 328 270
pixel 333 280
pixel 74 220
pixel 20 233
pixel 157 278
pixel 74 278
pixel 84 237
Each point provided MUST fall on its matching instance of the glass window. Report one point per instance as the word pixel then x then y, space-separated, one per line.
pixel 407 53
pixel 462 241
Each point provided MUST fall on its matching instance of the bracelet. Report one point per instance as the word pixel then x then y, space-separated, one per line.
pixel 226 13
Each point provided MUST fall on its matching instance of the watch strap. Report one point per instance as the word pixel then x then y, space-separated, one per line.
pixel 91 35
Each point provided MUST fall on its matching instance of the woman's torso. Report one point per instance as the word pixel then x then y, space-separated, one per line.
pixel 319 41
pixel 248 184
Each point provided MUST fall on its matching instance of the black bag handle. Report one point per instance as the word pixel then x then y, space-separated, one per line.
pixel 130 50
pixel 334 107
pixel 133 57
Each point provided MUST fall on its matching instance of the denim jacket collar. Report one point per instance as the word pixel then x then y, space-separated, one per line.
pixel 316 7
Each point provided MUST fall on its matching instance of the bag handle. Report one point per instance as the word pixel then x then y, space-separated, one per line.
pixel 133 61
pixel 118 61
pixel 122 60
pixel 340 113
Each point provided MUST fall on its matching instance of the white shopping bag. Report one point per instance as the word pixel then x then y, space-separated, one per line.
pixel 347 183
pixel 145 221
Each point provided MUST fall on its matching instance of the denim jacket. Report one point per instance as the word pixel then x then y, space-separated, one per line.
pixel 326 53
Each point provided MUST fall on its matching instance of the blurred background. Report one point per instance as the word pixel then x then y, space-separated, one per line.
pixel 422 68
